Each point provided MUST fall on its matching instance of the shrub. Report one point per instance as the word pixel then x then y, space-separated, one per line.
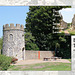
pixel 4 62
pixel 1 42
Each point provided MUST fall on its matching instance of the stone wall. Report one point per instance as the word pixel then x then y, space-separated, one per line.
pixel 63 24
pixel 35 54
pixel 73 23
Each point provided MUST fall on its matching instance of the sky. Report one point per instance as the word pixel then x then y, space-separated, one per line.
pixel 12 14
pixel 17 15
pixel 67 14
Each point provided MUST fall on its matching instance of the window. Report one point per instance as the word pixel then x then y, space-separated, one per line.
pixel 23 35
pixel 74 45
pixel 11 37
pixel 74 40
pixel 23 49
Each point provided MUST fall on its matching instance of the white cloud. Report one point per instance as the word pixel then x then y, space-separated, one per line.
pixel 67 14
pixel 67 9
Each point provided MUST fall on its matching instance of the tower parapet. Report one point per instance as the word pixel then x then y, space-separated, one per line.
pixel 12 27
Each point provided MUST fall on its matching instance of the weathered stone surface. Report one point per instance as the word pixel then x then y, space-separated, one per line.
pixel 13 41
pixel 37 73
pixel 37 2
pixel 34 54
pixel 63 24
pixel 73 52
pixel 73 23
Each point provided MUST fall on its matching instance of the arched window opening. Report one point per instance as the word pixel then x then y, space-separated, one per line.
pixel 23 49
pixel 11 37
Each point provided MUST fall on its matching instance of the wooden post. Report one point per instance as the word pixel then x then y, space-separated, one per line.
pixel 38 54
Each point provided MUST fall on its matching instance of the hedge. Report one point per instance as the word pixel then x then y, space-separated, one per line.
pixel 4 62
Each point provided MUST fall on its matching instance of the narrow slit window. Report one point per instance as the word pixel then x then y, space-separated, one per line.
pixel 74 40
pixel 74 45
pixel 11 37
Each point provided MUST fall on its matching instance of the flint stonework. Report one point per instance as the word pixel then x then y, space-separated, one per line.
pixel 13 41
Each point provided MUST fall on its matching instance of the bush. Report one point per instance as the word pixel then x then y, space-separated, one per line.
pixel 1 42
pixel 4 62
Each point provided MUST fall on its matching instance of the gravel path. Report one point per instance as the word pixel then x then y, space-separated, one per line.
pixel 24 62
pixel 66 32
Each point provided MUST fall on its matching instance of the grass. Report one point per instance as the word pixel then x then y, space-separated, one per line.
pixel 72 32
pixel 49 66
pixel 69 60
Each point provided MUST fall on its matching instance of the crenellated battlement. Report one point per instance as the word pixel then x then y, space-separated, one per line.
pixel 12 27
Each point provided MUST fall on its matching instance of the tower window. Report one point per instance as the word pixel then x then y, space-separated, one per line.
pixel 23 35
pixel 23 49
pixel 11 37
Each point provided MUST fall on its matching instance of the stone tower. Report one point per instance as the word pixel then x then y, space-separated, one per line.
pixel 73 23
pixel 63 24
pixel 13 41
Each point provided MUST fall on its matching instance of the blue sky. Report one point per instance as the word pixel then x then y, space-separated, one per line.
pixel 12 14
pixel 17 14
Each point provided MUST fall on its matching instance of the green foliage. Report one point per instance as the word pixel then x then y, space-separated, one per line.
pixel 72 32
pixel 65 47
pixel 69 60
pixel 1 43
pixel 4 62
pixel 30 42
pixel 62 39
pixel 69 24
pixel 47 66
pixel 39 22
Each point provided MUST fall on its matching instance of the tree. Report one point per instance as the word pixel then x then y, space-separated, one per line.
pixel 30 42
pixel 65 47
pixel 1 43
pixel 40 21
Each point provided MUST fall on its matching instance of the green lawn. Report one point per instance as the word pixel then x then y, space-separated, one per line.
pixel 69 60
pixel 72 32
pixel 49 66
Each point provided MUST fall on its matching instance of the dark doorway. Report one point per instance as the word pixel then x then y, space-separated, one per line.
pixel 23 53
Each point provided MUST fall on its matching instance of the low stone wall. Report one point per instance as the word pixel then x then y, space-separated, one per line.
pixel 37 54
